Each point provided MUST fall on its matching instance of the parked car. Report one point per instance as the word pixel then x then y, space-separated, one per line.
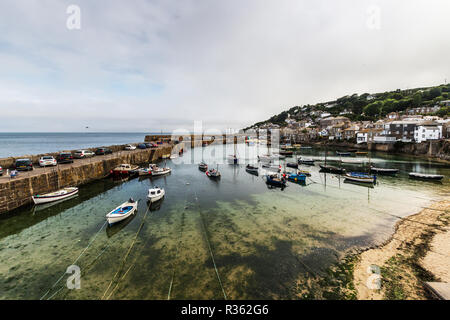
pixel 153 145
pixel 103 151
pixel 130 147
pixel 79 154
pixel 47 161
pixel 65 157
pixel 1 171
pixel 23 165
pixel 142 146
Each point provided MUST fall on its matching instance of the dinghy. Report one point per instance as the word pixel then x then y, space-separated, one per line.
pixel 122 212
pixel 55 196
pixel 155 194
pixel 360 177
pixel 423 176
pixel 252 169
pixel 383 171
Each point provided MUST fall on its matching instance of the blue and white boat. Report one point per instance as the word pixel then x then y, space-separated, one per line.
pixel 296 177
pixel 122 212
pixel 360 177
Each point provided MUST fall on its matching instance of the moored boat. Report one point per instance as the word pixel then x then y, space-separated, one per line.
pixel 274 180
pixel 124 168
pixel 424 176
pixel 331 169
pixel 383 171
pixel 155 194
pixel 292 165
pixel 304 172
pixel 360 177
pixel 213 173
pixel 122 212
pixel 252 169
pixel 343 154
pixel 305 161
pixel 296 177
pixel 160 171
pixel 55 196
pixel 286 153
pixel 202 166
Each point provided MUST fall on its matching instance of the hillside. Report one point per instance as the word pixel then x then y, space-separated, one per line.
pixel 368 106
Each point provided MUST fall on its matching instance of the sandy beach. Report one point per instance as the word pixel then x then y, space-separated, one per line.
pixel 418 251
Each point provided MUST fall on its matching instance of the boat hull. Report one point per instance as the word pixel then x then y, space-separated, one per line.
pixel 360 178
pixel 114 218
pixel 430 177
pixel 160 173
pixel 51 197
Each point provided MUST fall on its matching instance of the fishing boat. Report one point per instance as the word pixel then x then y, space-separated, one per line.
pixel 155 194
pixel 274 180
pixel 305 161
pixel 55 196
pixel 252 169
pixel 202 166
pixel 296 177
pixel 122 212
pixel 160 171
pixel 124 168
pixel 360 177
pixel 424 176
pixel 292 165
pixel 331 169
pixel 213 174
pixel 383 171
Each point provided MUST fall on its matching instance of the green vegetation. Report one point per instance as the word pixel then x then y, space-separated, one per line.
pixel 370 106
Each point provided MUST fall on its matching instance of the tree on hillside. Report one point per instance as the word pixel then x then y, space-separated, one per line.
pixel 373 109
pixel 417 99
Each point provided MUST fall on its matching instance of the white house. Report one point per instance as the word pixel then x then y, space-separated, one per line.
pixel 428 130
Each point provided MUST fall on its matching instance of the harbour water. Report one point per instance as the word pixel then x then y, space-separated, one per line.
pixel 234 238
pixel 26 143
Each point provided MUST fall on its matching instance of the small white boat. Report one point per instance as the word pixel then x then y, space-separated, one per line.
pixel 147 171
pixel 55 196
pixel 155 194
pixel 360 177
pixel 160 171
pixel 122 212
pixel 424 176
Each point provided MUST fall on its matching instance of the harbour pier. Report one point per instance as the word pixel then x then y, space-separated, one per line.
pixel 18 191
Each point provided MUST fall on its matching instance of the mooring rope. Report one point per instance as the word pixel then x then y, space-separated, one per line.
pixel 209 247
pixel 124 259
pixel 178 247
pixel 76 260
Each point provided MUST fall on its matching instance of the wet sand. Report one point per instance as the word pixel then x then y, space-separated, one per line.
pixel 417 251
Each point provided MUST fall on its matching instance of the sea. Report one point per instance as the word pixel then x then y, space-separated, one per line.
pixel 27 143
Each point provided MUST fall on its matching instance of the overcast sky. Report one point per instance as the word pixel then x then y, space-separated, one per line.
pixel 159 65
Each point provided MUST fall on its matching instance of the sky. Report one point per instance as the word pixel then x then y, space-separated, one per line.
pixel 147 66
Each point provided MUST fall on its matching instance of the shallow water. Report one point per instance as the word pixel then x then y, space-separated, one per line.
pixel 233 238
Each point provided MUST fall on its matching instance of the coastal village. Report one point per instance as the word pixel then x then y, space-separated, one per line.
pixel 336 121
